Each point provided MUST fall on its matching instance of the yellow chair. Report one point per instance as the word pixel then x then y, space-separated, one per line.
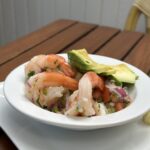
pixel 138 7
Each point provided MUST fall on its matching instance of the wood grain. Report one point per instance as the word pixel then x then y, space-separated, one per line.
pixel 120 45
pixel 140 55
pixel 53 45
pixel 95 39
pixel 25 43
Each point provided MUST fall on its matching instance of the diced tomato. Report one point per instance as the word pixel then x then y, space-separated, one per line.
pixel 119 106
pixel 106 95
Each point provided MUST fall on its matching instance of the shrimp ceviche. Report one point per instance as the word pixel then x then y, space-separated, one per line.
pixel 79 86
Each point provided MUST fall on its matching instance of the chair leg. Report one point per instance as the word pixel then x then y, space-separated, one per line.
pixel 132 19
pixel 148 25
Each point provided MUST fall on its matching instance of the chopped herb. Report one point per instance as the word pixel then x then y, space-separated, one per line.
pixel 77 108
pixel 111 110
pixel 55 109
pixel 119 83
pixel 31 73
pixel 45 91
pixel 38 101
pixel 126 103
pixel 61 103
pixel 63 100
pixel 99 100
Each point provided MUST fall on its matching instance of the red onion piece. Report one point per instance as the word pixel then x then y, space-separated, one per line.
pixel 121 91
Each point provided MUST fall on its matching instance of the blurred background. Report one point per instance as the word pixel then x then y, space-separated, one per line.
pixel 19 17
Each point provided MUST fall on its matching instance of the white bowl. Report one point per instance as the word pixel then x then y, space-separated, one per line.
pixel 14 93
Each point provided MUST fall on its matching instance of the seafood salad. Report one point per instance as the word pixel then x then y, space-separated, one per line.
pixel 79 87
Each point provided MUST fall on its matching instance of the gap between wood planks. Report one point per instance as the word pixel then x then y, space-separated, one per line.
pixel 140 54
pixel 94 40
pixel 33 39
pixel 57 43
pixel 120 45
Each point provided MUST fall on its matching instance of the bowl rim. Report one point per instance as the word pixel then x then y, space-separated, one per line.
pixel 82 123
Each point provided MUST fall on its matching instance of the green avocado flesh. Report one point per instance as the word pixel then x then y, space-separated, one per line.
pixel 81 60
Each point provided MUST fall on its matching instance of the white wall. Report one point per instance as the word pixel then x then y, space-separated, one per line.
pixel 19 17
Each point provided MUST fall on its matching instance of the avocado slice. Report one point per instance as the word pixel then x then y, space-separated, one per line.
pixel 81 60
pixel 124 74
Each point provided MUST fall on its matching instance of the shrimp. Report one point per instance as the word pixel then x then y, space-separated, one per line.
pixel 47 87
pixel 81 102
pixel 48 63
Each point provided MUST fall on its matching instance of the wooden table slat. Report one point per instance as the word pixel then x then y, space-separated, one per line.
pixel 53 45
pixel 141 50
pixel 65 39
pixel 25 43
pixel 120 45
pixel 94 39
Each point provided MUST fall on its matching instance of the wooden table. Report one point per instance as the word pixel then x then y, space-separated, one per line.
pixel 63 35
